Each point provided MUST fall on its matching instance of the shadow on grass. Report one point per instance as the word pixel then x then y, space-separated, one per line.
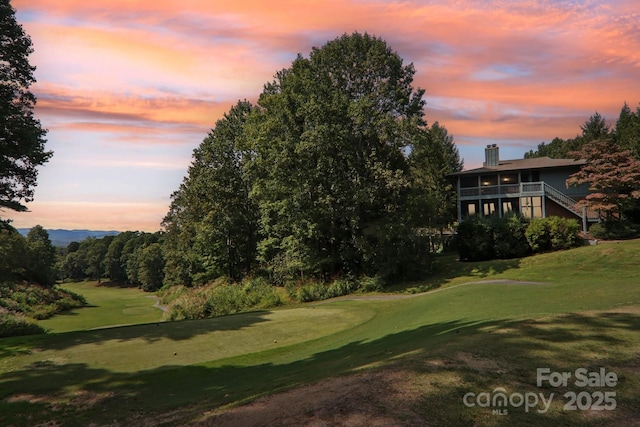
pixel 150 332
pixel 448 267
pixel 117 285
pixel 515 349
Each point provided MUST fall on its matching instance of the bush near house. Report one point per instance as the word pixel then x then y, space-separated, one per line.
pixel 482 238
pixel 615 230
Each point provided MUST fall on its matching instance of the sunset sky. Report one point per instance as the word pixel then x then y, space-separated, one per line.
pixel 127 89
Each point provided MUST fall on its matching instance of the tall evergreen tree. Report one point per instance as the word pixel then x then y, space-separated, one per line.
pixel 627 132
pixel 21 135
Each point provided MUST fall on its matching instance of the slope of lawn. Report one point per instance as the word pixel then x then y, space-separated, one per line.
pixel 108 306
pixel 586 314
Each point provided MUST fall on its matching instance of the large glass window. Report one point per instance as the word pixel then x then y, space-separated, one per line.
pixel 469 209
pixel 531 207
pixel 489 207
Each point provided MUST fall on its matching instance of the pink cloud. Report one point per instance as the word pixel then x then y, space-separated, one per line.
pixel 88 215
pixel 160 73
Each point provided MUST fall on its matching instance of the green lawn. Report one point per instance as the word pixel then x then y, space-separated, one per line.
pixel 588 314
pixel 108 306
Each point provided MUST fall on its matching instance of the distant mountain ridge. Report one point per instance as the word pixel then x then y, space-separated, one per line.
pixel 62 238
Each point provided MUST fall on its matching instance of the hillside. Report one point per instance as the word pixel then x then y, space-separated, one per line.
pixel 62 238
pixel 375 360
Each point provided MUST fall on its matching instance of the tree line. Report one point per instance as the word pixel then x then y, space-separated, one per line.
pixel 612 170
pixel 625 135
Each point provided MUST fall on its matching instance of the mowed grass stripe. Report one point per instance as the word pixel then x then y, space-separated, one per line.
pixel 155 345
pixel 108 306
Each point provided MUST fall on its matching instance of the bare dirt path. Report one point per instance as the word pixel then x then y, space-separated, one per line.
pixel 157 305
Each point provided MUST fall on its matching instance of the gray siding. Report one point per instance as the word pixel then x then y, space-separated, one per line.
pixel 558 179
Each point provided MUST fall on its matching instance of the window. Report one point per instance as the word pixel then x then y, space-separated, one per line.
pixel 531 207
pixel 489 180
pixel 508 178
pixel 468 181
pixel 488 208
pixel 507 206
pixel 471 209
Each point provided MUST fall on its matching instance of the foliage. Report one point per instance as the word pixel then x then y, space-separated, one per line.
pixel 221 298
pixel 151 266
pixel 564 232
pixel 131 257
pixel 12 325
pixel 211 227
pixel 41 257
pixel 538 235
pixel 615 230
pixel 482 238
pixel 21 135
pixel 509 239
pixel 475 239
pixel 36 301
pixel 434 156
pixel 32 258
pixel 333 173
pixel 613 176
pixel 330 176
pixel 14 253
pixel 594 129
pixel 626 134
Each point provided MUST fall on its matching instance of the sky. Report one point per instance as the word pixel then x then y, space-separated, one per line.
pixel 127 89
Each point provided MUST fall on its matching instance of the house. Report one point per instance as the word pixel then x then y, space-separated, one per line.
pixel 535 188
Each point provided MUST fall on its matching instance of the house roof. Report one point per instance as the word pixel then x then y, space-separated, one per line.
pixel 524 164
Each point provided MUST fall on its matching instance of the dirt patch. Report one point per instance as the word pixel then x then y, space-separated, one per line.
pixel 371 399
pixel 480 364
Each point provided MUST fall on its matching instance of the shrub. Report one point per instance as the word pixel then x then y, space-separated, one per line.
pixel 513 236
pixel 12 325
pixel 615 230
pixel 509 237
pixel 553 233
pixel 475 239
pixel 564 232
pixel 371 284
pixel 221 298
pixel 538 235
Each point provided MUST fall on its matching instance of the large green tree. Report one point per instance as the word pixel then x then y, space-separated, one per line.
pixel 627 132
pixel 433 156
pixel 41 256
pixel 613 176
pixel 330 171
pixel 211 227
pixel 21 134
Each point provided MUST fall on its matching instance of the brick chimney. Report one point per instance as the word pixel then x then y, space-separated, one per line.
pixel 491 155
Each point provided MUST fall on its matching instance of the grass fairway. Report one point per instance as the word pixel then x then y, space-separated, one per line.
pixel 462 339
pixel 108 306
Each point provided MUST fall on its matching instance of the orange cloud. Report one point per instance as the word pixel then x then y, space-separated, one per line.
pixel 159 73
